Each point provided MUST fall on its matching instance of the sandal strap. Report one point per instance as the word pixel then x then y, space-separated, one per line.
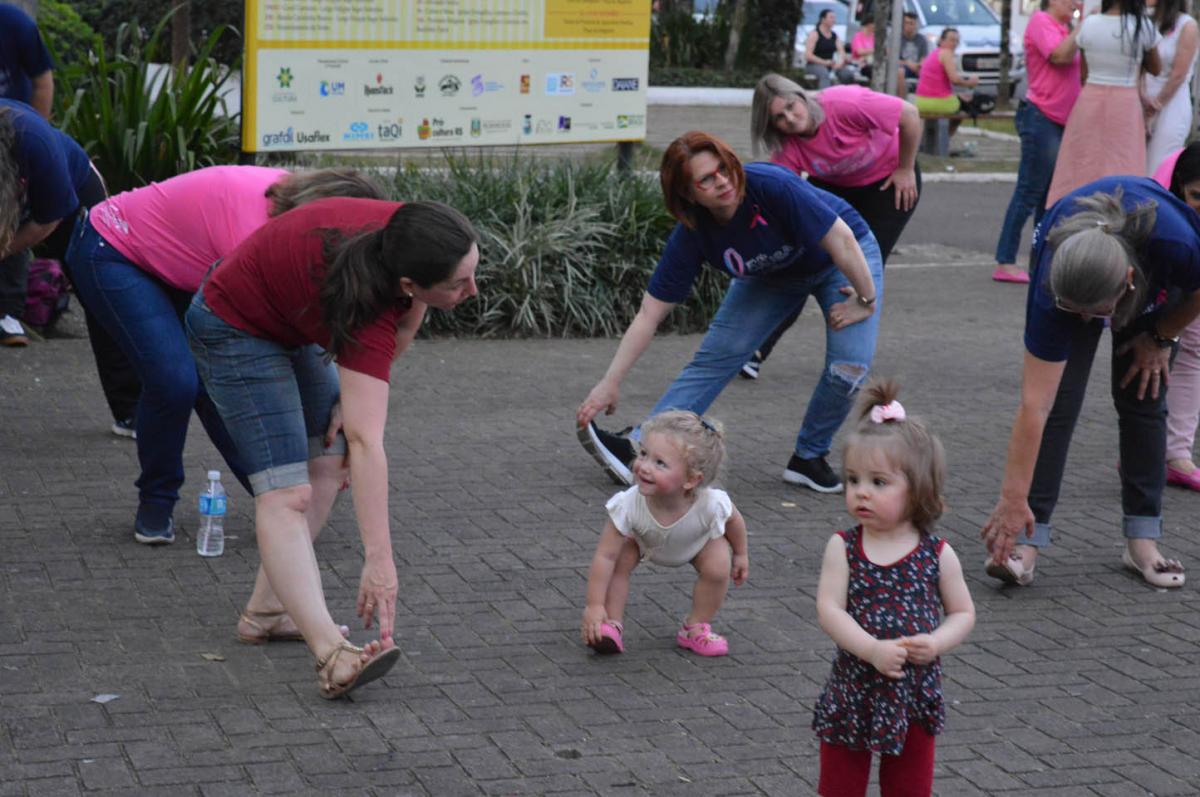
pixel 702 629
pixel 330 658
pixel 248 617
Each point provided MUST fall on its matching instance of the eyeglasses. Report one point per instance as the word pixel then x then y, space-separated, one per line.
pixel 1103 313
pixel 709 181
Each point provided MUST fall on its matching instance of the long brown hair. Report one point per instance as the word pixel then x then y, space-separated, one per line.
pixel 10 181
pixel 424 241
pixel 297 188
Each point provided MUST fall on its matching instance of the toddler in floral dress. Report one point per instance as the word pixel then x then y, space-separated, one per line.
pixel 883 588
pixel 673 517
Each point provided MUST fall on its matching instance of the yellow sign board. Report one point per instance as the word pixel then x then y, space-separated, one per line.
pixel 363 74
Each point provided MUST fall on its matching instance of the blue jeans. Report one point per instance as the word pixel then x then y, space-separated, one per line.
pixel 1040 139
pixel 275 400
pixel 751 310
pixel 144 316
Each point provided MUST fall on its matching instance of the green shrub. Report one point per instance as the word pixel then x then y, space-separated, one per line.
pixel 140 121
pixel 65 32
pixel 566 248
pixel 106 17
pixel 679 40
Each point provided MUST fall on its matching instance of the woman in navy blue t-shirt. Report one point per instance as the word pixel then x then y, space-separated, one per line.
pixel 1123 250
pixel 782 240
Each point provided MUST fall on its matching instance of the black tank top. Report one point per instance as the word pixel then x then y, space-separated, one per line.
pixel 825 47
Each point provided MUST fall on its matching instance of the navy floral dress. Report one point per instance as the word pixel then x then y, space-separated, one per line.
pixel 861 708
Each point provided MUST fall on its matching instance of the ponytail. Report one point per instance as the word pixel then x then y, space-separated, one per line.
pixel 423 241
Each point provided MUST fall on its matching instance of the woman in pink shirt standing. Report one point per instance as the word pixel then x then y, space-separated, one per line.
pixel 850 141
pixel 136 260
pixel 1052 57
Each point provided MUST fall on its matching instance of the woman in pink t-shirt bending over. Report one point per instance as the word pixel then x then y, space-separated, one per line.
pixel 136 259
pixel 850 141
pixel 294 335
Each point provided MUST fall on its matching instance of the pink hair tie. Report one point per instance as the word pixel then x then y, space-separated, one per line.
pixel 892 411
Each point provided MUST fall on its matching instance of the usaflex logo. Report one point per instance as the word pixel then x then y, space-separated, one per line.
pixel 625 84
pixel 359 131
pixel 284 78
pixel 449 85
pixel 333 88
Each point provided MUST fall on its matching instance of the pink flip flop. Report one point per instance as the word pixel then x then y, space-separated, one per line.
pixel 700 639
pixel 610 639
pixel 1000 275
pixel 1180 479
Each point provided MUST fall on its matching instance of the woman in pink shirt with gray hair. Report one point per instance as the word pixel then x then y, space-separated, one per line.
pixel 136 259
pixel 850 141
pixel 1052 57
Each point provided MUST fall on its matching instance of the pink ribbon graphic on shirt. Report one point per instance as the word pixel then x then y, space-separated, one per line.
pixel 892 411
pixel 757 219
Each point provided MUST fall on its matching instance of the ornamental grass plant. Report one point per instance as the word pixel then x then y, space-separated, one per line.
pixel 566 247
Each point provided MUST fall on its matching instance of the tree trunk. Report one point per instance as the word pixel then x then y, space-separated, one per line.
pixel 737 23
pixel 1002 88
pixel 883 18
pixel 181 33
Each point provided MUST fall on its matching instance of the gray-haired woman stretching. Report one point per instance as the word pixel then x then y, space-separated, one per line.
pixel 1111 250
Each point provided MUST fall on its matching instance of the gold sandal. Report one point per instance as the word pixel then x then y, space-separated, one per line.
pixel 375 667
pixel 264 623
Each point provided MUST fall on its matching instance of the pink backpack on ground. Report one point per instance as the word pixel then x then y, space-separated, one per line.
pixel 48 295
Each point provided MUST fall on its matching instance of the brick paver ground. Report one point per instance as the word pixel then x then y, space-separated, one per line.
pixel 1085 683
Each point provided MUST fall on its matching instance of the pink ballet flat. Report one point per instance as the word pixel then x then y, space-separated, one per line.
pixel 1000 275
pixel 700 639
pixel 1180 479
pixel 610 639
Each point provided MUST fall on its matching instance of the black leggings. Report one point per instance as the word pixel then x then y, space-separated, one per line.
pixel 878 209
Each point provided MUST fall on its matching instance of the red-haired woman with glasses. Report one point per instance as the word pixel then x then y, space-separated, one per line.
pixel 782 240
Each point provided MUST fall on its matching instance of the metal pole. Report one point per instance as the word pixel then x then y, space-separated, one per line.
pixel 625 158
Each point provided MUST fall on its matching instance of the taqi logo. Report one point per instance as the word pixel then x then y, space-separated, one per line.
pixel 379 87
pixel 389 131
pixel 423 130
pixel 284 78
pixel 449 85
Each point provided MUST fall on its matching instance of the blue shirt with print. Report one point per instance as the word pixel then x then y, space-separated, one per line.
pixel 50 163
pixel 23 55
pixel 777 228
pixel 1171 260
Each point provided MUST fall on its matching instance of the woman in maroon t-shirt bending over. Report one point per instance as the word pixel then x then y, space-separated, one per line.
pixel 294 336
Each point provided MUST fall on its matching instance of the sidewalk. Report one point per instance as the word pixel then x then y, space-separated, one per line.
pixel 1085 683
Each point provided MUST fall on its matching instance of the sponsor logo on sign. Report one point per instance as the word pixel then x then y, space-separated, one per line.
pixel 476 127
pixel 624 84
pixel 479 85
pixel 423 130
pixel 419 86
pixel 625 121
pixel 543 126
pixel 389 131
pixel 449 85
pixel 284 78
pixel 379 87
pixel 560 83
pixel 524 84
pixel 290 136
pixel 496 126
pixel 333 88
pixel 593 84
pixel 437 128
pixel 564 124
pixel 527 124
pixel 359 131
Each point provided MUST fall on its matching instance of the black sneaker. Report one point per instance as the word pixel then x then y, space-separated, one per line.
pixel 751 366
pixel 813 473
pixel 613 451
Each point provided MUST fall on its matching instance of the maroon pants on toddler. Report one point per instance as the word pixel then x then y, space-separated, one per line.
pixel 845 772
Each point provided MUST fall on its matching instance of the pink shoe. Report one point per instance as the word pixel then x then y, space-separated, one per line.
pixel 1000 275
pixel 700 639
pixel 610 639
pixel 1189 480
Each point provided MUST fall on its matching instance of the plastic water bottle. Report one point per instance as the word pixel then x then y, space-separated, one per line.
pixel 210 541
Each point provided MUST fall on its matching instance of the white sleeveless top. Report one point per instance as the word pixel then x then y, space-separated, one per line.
pixel 1167 48
pixel 677 544
pixel 1105 42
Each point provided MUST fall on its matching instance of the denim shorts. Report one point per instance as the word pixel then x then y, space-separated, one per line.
pixel 275 400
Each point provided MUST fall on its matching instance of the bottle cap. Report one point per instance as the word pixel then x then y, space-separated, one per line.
pixel 214 475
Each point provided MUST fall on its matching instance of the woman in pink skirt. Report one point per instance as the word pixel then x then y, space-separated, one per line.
pixel 1106 133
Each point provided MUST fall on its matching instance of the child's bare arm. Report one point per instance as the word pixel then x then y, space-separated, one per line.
pixel 959 612
pixel 599 577
pixel 735 533
pixel 886 655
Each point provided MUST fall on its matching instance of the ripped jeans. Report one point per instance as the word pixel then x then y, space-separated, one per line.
pixel 751 310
